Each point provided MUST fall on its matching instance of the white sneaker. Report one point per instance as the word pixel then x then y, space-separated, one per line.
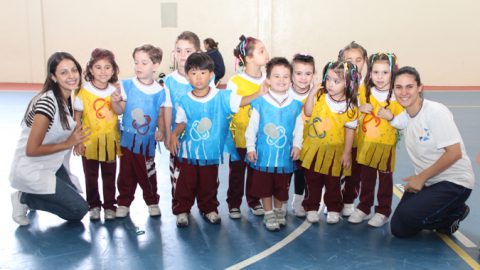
pixel 297 207
pixel 258 210
pixel 94 213
pixel 313 217
pixel 333 217
pixel 270 221
pixel 19 210
pixel 348 209
pixel 182 220
pixel 234 213
pixel 122 211
pixel 212 217
pixel 109 214
pixel 378 220
pixel 358 216
pixel 154 210
pixel 280 214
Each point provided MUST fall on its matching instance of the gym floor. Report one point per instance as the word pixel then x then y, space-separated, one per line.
pixel 141 242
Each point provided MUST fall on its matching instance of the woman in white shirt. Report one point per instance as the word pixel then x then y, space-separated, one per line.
pixel 40 169
pixel 435 196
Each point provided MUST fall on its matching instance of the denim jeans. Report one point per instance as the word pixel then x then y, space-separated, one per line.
pixel 66 202
pixel 434 207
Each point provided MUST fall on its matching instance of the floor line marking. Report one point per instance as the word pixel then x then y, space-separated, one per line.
pixel 454 246
pixel 267 252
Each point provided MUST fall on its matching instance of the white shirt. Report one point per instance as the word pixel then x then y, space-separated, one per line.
pixel 295 95
pixel 103 93
pixel 252 129
pixel 426 136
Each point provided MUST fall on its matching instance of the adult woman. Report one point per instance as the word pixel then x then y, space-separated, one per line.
pixel 40 169
pixel 212 50
pixel 435 196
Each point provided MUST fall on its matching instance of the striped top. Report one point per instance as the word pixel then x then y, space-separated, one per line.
pixel 43 105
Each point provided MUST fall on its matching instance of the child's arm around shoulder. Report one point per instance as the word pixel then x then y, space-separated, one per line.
pixel 248 99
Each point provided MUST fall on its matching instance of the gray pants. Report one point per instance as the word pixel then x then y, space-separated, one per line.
pixel 66 203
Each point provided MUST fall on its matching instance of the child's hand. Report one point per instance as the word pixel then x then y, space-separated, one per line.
pixel 117 95
pixel 252 156
pixel 347 160
pixel 385 114
pixel 295 153
pixel 116 85
pixel 159 136
pixel 263 89
pixel 316 84
pixel 174 145
pixel 79 149
pixel 366 108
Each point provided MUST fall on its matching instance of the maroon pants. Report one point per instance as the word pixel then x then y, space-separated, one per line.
pixel 236 182
pixel 109 171
pixel 351 189
pixel 266 184
pixel 368 178
pixel 313 191
pixel 137 169
pixel 195 181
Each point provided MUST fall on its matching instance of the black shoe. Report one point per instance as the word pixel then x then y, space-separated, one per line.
pixel 456 224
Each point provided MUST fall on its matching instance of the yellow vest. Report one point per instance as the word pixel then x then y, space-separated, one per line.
pixel 99 117
pixel 377 139
pixel 242 117
pixel 325 140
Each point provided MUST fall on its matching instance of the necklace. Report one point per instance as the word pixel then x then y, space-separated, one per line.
pixel 336 101
pixel 208 92
pixel 99 88
pixel 280 103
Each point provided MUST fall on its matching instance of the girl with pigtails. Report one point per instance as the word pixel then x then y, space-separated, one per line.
pixel 381 116
pixel 251 56
pixel 327 150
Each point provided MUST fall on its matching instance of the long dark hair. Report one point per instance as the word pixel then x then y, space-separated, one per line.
pixel 391 59
pixel 51 85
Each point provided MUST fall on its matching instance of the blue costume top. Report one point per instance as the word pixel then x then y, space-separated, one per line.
pixel 177 90
pixel 275 136
pixel 207 135
pixel 140 119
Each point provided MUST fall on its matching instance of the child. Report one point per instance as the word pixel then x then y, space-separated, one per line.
pixel 302 83
pixel 326 153
pixel 377 138
pixel 252 56
pixel 203 114
pixel 356 54
pixel 139 101
pixel 274 138
pixel 94 110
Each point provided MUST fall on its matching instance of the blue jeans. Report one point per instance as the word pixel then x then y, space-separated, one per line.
pixel 66 202
pixel 434 207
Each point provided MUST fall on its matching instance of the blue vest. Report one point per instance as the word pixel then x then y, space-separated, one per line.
pixel 207 135
pixel 177 91
pixel 139 120
pixel 275 136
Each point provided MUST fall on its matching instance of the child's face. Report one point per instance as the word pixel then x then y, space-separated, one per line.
pixel 355 56
pixel 67 76
pixel 381 75
pixel 280 79
pixel 102 71
pixel 199 78
pixel 407 91
pixel 183 49
pixel 335 85
pixel 302 75
pixel 259 56
pixel 144 67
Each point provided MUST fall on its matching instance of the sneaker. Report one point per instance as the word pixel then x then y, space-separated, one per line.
pixel 258 210
pixel 333 217
pixel 109 214
pixel 348 209
pixel 280 214
pixel 122 211
pixel 456 224
pixel 313 217
pixel 212 217
pixel 154 210
pixel 270 221
pixel 19 210
pixel 297 207
pixel 378 220
pixel 358 216
pixel 182 220
pixel 234 213
pixel 94 213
